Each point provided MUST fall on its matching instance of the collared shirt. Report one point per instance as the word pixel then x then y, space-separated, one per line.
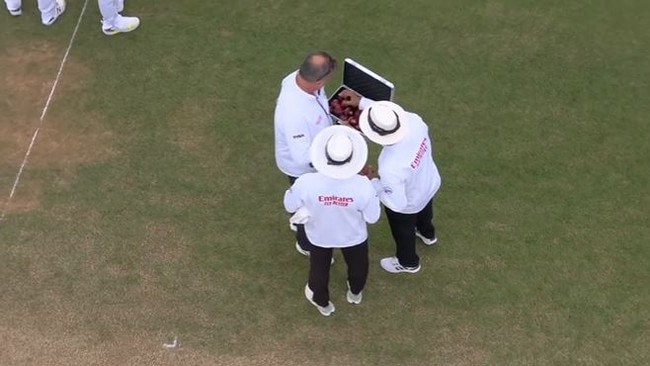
pixel 338 208
pixel 408 176
pixel 299 116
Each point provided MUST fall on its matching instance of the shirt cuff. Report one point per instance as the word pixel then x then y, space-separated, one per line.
pixel 377 185
pixel 365 103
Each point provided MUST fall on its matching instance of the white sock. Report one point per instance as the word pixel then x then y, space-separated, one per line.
pixel 108 9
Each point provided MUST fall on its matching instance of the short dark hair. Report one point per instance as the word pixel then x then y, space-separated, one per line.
pixel 314 69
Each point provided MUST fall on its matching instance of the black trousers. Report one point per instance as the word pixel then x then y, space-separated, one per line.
pixel 356 258
pixel 301 237
pixel 403 226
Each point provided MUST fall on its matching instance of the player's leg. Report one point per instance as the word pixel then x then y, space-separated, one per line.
pixel 50 10
pixel 14 7
pixel 112 21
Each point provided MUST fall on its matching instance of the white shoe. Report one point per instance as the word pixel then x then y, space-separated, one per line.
pixel 391 264
pixel 325 311
pixel 292 226
pixel 15 12
pixel 58 10
pixel 426 240
pixel 121 25
pixel 352 298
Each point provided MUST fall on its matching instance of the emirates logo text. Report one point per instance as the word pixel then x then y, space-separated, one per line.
pixel 335 200
pixel 421 151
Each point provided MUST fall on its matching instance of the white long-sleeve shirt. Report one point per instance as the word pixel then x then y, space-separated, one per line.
pixel 408 176
pixel 339 209
pixel 299 116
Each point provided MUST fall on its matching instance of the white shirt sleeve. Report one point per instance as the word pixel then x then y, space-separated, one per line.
pixel 391 191
pixel 372 210
pixel 292 197
pixel 365 103
pixel 298 139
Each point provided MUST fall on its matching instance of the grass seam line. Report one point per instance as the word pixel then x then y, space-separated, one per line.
pixel 43 114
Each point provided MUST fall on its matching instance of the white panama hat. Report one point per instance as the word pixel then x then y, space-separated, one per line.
pixel 383 122
pixel 338 152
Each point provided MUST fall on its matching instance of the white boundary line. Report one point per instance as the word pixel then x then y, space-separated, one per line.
pixel 47 105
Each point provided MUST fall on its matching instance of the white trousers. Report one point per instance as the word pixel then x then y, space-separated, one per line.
pixel 109 10
pixel 45 6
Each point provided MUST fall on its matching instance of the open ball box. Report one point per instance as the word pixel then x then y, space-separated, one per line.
pixel 362 81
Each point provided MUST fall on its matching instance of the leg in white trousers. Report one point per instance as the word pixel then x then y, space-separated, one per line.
pixel 108 9
pixel 112 21
pixel 13 4
pixel 47 8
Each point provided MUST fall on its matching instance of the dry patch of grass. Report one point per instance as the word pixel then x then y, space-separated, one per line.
pixel 29 346
pixel 27 72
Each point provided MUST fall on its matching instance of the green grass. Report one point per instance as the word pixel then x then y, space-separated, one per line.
pixel 151 205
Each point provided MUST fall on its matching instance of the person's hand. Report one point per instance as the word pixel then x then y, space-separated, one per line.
pixel 350 98
pixel 344 121
pixel 368 171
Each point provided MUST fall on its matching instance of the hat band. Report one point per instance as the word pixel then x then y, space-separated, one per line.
pixel 381 131
pixel 331 161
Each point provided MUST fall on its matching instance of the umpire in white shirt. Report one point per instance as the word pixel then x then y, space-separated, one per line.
pixel 336 203
pixel 407 179
pixel 301 113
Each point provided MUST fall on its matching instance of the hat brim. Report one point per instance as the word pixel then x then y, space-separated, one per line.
pixel 373 136
pixel 319 158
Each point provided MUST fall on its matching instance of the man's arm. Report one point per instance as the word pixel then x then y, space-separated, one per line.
pixel 292 199
pixel 365 103
pixel 372 211
pixel 391 191
pixel 297 136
